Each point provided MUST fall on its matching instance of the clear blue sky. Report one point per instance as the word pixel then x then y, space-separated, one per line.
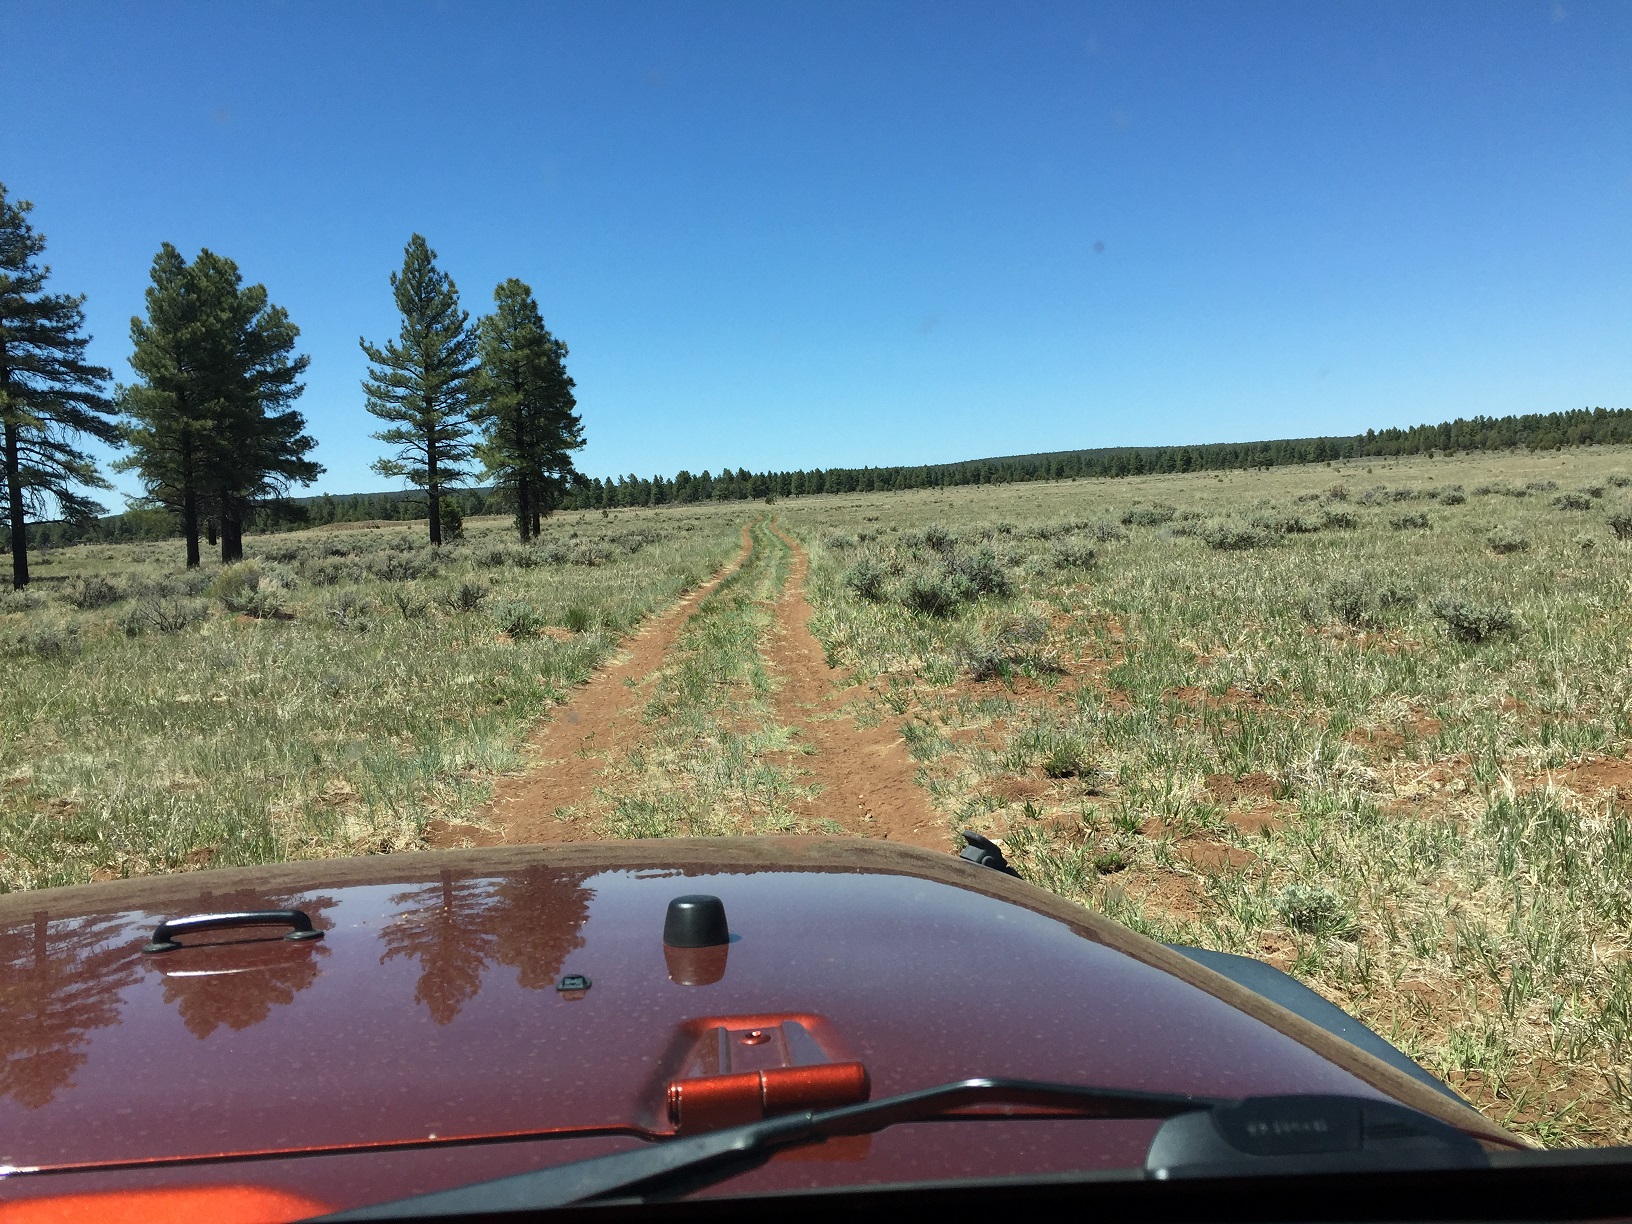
pixel 817 234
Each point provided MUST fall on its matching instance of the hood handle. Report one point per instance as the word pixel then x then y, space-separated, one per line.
pixel 164 935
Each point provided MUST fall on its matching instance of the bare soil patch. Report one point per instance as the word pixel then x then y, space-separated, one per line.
pixel 1613 777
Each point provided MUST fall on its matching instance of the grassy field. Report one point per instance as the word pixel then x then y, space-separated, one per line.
pixel 1366 723
pixel 1369 722
pixel 333 695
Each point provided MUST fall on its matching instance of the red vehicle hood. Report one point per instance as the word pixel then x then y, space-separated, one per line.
pixel 429 1013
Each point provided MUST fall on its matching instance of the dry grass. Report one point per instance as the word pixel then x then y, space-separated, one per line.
pixel 330 696
pixel 1274 713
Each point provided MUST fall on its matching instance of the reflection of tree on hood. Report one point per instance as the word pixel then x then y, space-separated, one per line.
pixel 58 982
pixel 537 915
pixel 444 927
pixel 457 928
pixel 273 970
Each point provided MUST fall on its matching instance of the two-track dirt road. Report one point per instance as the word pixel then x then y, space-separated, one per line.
pixel 863 776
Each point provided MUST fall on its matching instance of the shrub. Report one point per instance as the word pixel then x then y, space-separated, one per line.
pixel 1363 600
pixel 1620 521
pixel 467 597
pixel 91 591
pixel 579 618
pixel 494 556
pixel 409 603
pixel 1572 501
pixel 1019 642
pixel 162 615
pixel 1620 480
pixel 1468 620
pixel 590 555
pixel 1155 515
pixel 1505 540
pixel 19 601
pixel 1069 555
pixel 404 566
pixel 249 589
pixel 1227 535
pixel 1107 532
pixel 840 543
pixel 1339 520
pixel 1409 522
pixel 932 595
pixel 48 641
pixel 866 579
pixel 519 620
pixel 1315 910
pixel 939 539
pixel 981 572
pixel 1452 497
pixel 348 610
pixel 331 572
pixel 1279 521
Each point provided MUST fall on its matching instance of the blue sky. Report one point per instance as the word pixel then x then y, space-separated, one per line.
pixel 820 234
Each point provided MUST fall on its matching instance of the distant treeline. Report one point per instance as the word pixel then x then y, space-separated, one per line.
pixel 1536 431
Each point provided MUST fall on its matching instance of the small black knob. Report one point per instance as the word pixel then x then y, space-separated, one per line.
pixel 695 921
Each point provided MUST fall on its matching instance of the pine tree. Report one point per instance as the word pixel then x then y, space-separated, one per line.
pixel 211 428
pixel 421 382
pixel 525 406
pixel 49 395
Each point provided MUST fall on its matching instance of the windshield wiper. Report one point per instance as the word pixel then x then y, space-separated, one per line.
pixel 1205 1136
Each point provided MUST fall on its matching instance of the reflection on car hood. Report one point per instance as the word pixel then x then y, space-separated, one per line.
pixel 430 1009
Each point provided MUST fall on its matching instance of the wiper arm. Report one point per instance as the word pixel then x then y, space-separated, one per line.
pixel 682 1165
pixel 1202 1137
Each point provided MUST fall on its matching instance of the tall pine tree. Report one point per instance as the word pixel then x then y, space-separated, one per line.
pixel 420 383
pixel 211 427
pixel 525 406
pixel 49 395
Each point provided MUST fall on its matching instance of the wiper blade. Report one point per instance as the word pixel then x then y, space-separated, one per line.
pixel 680 1166
pixel 1202 1137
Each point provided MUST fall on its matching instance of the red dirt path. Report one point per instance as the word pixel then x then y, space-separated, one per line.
pixel 569 751
pixel 866 775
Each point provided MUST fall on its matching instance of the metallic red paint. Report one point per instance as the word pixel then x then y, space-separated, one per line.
pixel 426 1027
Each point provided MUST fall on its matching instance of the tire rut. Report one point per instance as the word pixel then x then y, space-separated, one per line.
pixel 569 752
pixel 867 776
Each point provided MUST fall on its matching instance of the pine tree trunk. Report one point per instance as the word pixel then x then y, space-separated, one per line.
pixel 19 525
pixel 524 511
pixel 433 490
pixel 189 526
pixel 232 539
pixel 209 531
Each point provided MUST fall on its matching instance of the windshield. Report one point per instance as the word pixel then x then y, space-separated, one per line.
pixel 1093 536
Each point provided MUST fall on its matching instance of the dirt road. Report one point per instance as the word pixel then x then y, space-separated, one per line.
pixel 570 751
pixel 867 776
pixel 864 777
